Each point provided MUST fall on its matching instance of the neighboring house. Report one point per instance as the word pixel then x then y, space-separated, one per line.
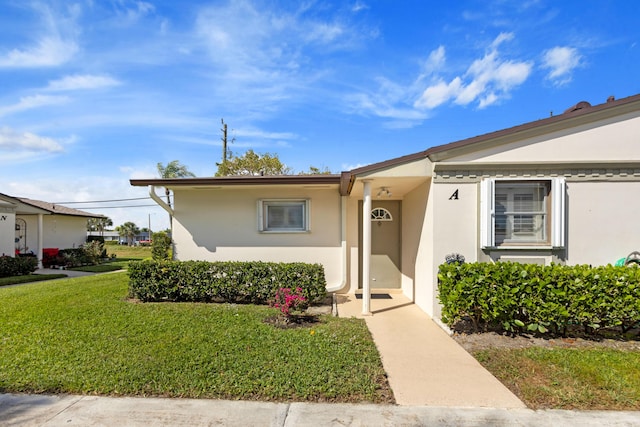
pixel 565 189
pixel 28 226
pixel 109 236
pixel 114 236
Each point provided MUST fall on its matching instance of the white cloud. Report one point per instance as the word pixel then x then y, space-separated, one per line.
pixel 486 81
pixel 266 56
pixel 12 141
pixel 47 52
pixel 561 61
pixel 358 6
pixel 79 82
pixel 54 46
pixel 438 93
pixel 30 102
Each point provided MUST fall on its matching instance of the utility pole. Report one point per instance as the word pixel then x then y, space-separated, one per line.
pixel 224 142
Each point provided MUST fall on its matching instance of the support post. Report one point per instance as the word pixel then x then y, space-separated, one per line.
pixel 366 248
pixel 40 238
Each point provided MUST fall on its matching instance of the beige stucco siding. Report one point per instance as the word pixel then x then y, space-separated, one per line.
pixel 7 232
pixel 222 225
pixel 59 231
pixel 414 206
pixel 603 221
pixel 613 139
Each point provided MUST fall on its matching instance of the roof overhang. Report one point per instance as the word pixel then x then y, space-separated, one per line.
pixel 318 181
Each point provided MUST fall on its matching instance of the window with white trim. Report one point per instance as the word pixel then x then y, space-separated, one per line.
pixel 283 215
pixel 522 213
pixel 381 214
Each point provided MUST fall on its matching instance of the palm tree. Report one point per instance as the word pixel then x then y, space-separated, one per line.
pixel 173 170
pixel 128 230
pixel 99 224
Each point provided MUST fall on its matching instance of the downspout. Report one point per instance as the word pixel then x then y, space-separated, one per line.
pixel 159 201
pixel 343 242
pixel 166 207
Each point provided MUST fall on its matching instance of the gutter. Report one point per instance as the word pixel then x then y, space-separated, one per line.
pixel 343 240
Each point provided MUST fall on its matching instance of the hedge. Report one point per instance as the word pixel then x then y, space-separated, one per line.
pixel 539 298
pixel 17 266
pixel 236 282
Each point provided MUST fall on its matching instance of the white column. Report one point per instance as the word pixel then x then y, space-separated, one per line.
pixel 366 248
pixel 40 238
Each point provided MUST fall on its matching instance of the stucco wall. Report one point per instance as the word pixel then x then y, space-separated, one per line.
pixel 7 233
pixel 60 231
pixel 414 207
pixel 603 221
pixel 222 225
pixel 583 143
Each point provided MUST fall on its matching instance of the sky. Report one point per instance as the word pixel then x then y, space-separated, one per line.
pixel 96 92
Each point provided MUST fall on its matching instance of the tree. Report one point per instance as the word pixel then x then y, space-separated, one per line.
pixel 316 171
pixel 128 230
pixel 173 170
pixel 99 224
pixel 252 163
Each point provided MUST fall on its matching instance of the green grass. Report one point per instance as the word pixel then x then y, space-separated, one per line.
pixel 584 379
pixel 83 336
pixel 129 252
pixel 102 268
pixel 27 278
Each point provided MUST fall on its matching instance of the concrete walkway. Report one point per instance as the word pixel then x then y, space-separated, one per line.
pixel 70 410
pixel 425 366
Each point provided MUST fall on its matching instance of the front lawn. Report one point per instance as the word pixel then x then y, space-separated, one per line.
pixel 560 378
pixel 27 278
pixel 83 336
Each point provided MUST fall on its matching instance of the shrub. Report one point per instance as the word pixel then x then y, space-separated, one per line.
pixel 540 298
pixel 289 301
pixel 239 282
pixel 94 251
pixel 160 246
pixel 18 266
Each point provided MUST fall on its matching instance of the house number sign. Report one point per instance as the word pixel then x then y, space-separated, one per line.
pixel 454 196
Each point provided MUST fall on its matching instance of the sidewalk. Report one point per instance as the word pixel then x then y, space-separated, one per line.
pixel 426 366
pixel 52 411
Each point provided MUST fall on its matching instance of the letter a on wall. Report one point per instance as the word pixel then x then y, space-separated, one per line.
pixel 454 196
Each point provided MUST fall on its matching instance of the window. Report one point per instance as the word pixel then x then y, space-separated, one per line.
pixel 522 213
pixel 283 215
pixel 381 214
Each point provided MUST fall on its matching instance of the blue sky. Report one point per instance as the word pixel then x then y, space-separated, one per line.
pixel 95 92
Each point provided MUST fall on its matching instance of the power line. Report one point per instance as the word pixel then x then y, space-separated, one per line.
pixel 103 201
pixel 116 207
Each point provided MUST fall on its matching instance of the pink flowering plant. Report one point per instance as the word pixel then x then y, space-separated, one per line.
pixel 289 301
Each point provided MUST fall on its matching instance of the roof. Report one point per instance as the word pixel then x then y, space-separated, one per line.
pixel 51 208
pixel 582 112
pixel 323 179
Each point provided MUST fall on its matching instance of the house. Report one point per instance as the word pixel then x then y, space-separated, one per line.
pixel 564 189
pixel 141 238
pixel 28 226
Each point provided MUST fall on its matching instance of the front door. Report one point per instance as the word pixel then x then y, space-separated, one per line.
pixel 385 244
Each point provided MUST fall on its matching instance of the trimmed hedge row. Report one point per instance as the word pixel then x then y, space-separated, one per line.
pixel 236 282
pixel 17 266
pixel 540 298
